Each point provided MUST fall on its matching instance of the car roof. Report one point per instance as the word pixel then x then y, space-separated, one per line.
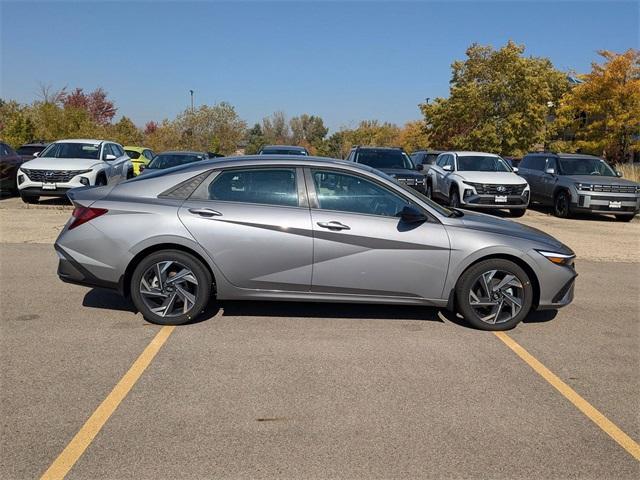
pixel 565 155
pixel 83 140
pixel 130 147
pixel 293 147
pixel 34 144
pixel 376 148
pixel 182 152
pixel 427 151
pixel 466 153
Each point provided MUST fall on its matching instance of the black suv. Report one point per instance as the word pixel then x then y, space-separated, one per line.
pixel 392 161
pixel 29 150
pixel 572 182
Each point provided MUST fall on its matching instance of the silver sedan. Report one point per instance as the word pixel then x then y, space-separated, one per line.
pixel 304 229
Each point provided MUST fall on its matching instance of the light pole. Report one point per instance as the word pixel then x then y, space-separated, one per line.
pixel 191 92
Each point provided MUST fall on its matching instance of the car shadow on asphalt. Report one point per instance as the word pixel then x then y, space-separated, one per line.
pixel 110 300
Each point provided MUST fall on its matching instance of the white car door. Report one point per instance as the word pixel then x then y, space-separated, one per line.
pixel 110 156
pixel 121 161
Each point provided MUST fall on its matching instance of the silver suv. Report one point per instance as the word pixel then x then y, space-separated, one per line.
pixel 477 180
pixel 576 182
pixel 304 229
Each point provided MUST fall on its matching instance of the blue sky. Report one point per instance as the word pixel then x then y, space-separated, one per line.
pixel 345 61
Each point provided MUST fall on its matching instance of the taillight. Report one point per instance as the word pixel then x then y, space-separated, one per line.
pixel 141 167
pixel 84 214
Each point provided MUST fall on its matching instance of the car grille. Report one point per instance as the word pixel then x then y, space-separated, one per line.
pixel 52 176
pixel 614 188
pixel 493 189
pixel 411 181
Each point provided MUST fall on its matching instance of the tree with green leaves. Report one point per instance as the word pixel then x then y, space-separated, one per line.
pixel 125 132
pixel 603 112
pixel 276 129
pixel 255 140
pixel 500 101
pixel 308 131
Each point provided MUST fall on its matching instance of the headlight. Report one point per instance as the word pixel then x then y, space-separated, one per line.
pixel 584 186
pixel 25 171
pixel 558 258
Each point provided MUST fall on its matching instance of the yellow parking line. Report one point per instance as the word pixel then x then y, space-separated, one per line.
pixel 76 447
pixel 610 428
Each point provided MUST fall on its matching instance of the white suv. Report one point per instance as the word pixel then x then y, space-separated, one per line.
pixel 67 164
pixel 477 180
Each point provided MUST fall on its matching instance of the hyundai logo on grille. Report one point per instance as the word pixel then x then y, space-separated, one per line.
pixel 49 174
pixel 501 188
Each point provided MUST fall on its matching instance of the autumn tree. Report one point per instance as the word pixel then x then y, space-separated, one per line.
pixel 308 131
pixel 125 132
pixel 255 140
pixel 500 101
pixel 603 112
pixel 100 108
pixel 413 136
pixel 276 129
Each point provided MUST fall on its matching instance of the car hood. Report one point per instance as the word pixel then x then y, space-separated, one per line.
pixel 489 223
pixel 504 178
pixel 401 172
pixel 44 163
pixel 599 180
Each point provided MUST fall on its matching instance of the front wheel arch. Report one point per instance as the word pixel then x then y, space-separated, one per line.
pixel 535 283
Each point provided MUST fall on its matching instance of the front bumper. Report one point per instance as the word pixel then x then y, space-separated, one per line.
pixel 489 201
pixel 40 192
pixel 605 202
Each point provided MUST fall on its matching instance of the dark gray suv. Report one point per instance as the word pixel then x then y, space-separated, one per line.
pixel 573 182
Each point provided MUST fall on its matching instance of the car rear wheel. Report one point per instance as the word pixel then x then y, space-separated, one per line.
pixel 561 205
pixel 170 287
pixel 494 294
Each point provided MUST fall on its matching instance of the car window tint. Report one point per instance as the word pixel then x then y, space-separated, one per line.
pixel 3 150
pixel 431 158
pixel 533 163
pixel 351 193
pixel 551 163
pixel 442 160
pixel 133 155
pixel 264 186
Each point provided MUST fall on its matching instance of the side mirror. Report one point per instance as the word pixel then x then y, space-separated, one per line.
pixel 550 171
pixel 618 173
pixel 109 157
pixel 411 214
pixel 515 169
pixel 419 167
pixel 35 154
pixel 447 168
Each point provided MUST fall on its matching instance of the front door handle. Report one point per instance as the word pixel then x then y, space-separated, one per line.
pixel 205 212
pixel 333 225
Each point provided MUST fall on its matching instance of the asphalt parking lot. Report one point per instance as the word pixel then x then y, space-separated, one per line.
pixel 263 390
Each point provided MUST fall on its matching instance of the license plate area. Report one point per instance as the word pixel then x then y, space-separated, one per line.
pixel 48 186
pixel 613 204
pixel 501 199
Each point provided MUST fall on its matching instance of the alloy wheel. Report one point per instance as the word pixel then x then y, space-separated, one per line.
pixel 169 289
pixel 496 296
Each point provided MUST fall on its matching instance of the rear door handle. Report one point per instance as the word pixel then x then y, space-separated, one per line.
pixel 205 212
pixel 333 225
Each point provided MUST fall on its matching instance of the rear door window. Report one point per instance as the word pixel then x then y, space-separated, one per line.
pixel 275 186
pixel 533 163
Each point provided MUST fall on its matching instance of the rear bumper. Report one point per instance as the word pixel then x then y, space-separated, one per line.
pixel 70 271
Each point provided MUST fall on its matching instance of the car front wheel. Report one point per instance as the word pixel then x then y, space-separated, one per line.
pixel 454 198
pixel 170 287
pixel 494 294
pixel 517 212
pixel 561 205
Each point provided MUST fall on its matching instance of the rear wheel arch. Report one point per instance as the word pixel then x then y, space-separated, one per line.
pixel 125 282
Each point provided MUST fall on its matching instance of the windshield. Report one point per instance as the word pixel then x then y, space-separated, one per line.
pixel 385 159
pixel 133 155
pixel 283 151
pixel 481 163
pixel 585 166
pixel 90 151
pixel 168 160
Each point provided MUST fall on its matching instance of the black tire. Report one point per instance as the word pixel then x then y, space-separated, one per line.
pixel 468 278
pixel 429 191
pixel 624 218
pixel 30 199
pixel 454 198
pixel 129 174
pixel 562 204
pixel 101 180
pixel 202 296
pixel 517 212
